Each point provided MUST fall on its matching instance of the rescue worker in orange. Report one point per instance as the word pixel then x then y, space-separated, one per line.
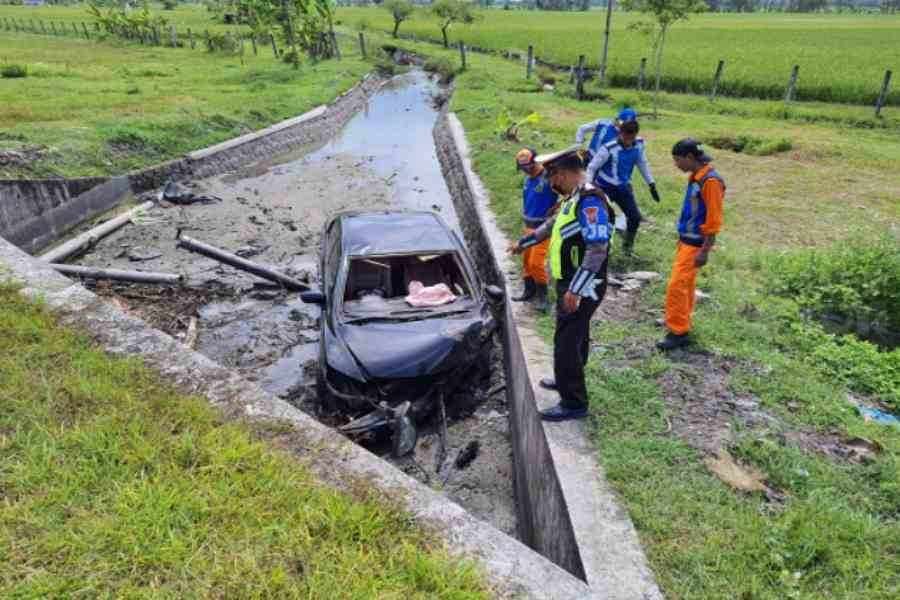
pixel 698 225
pixel 538 203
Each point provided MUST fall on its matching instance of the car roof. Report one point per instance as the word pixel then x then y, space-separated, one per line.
pixel 392 232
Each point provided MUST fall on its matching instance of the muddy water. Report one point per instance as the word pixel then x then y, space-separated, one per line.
pixel 272 212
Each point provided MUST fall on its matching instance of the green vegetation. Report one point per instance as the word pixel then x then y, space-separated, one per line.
pixel 90 108
pixel 842 58
pixel 113 485
pixel 13 71
pixel 830 529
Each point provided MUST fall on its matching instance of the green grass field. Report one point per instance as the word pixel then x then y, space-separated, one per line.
pixel 836 534
pixel 113 485
pixel 98 108
pixel 841 58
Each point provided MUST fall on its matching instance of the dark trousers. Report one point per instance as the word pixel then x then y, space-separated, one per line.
pixel 572 345
pixel 624 197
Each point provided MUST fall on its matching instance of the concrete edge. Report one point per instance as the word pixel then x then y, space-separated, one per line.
pixel 512 569
pixel 611 553
pixel 255 135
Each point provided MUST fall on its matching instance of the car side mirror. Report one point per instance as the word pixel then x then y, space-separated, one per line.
pixel 494 293
pixel 313 297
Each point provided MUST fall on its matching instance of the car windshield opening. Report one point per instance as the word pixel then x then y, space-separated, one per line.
pixel 379 285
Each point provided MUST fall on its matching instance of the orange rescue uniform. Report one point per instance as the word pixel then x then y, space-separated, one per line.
pixel 701 216
pixel 534 260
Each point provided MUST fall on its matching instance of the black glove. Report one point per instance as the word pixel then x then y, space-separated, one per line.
pixel 653 193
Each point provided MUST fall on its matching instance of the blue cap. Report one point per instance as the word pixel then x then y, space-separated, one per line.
pixel 627 114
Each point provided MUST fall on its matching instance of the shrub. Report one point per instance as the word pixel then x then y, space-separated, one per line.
pixel 441 66
pixel 750 144
pixel 856 280
pixel 13 71
pixel 546 76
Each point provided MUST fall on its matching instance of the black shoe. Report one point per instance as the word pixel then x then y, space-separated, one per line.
pixel 548 384
pixel 540 299
pixel 528 291
pixel 628 241
pixel 673 341
pixel 561 413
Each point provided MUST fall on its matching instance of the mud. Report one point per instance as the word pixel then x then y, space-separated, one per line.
pixel 272 212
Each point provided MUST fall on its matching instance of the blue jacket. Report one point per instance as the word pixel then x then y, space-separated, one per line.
pixel 613 164
pixel 604 131
pixel 537 200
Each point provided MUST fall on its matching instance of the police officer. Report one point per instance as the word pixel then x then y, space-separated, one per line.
pixel 700 221
pixel 579 236
pixel 611 170
pixel 604 130
pixel 538 201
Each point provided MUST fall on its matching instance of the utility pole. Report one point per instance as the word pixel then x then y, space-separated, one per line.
pixel 609 7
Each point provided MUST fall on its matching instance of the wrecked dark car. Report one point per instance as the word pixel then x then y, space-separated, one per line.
pixel 405 317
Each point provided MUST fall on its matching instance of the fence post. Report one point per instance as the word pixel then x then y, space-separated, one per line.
pixel 241 38
pixel 642 74
pixel 191 38
pixel 33 26
pixel 274 46
pixel 75 29
pixel 362 44
pixel 208 41
pixel 53 27
pixel 87 34
pixel 157 36
pixel 792 84
pixel 882 97
pixel 253 42
pixel 529 64
pixel 96 27
pixel 462 55
pixel 173 36
pixel 334 44
pixel 579 78
pixel 716 78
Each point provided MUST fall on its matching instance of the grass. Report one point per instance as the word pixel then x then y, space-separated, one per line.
pixel 836 535
pixel 842 58
pixel 105 108
pixel 114 485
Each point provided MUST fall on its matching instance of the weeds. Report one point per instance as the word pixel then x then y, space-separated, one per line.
pixel 13 71
pixel 441 66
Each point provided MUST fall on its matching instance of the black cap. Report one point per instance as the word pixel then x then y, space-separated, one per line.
pixel 570 159
pixel 690 146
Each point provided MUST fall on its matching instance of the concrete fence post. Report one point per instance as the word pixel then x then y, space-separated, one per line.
pixel 173 36
pixel 191 39
pixel 274 46
pixel 579 78
pixel 334 44
pixel 882 97
pixel 529 63
pixel 792 84
pixel 642 74
pixel 362 44
pixel 253 43
pixel 462 55
pixel 716 79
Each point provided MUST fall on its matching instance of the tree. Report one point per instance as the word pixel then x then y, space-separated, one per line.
pixel 400 10
pixel 449 12
pixel 664 13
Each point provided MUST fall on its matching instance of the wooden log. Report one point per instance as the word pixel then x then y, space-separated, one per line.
pixel 882 97
pixel 716 79
pixel 362 44
pixel 119 275
pixel 91 237
pixel 529 63
pixel 237 262
pixel 642 74
pixel 792 84
pixel 462 55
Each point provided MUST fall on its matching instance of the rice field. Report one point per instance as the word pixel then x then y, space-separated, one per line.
pixel 842 58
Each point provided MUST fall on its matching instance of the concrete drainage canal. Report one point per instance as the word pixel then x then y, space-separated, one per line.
pixel 273 212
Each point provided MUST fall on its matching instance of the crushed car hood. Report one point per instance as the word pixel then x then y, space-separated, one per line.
pixel 395 350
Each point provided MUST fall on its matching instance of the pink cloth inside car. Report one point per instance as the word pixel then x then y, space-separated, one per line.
pixel 433 295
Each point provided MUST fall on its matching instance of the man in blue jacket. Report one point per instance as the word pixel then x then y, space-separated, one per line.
pixel 610 170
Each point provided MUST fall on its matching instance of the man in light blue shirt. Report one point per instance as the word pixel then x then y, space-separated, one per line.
pixel 603 130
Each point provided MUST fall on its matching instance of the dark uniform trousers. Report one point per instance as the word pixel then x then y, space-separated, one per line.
pixel 572 344
pixel 624 197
